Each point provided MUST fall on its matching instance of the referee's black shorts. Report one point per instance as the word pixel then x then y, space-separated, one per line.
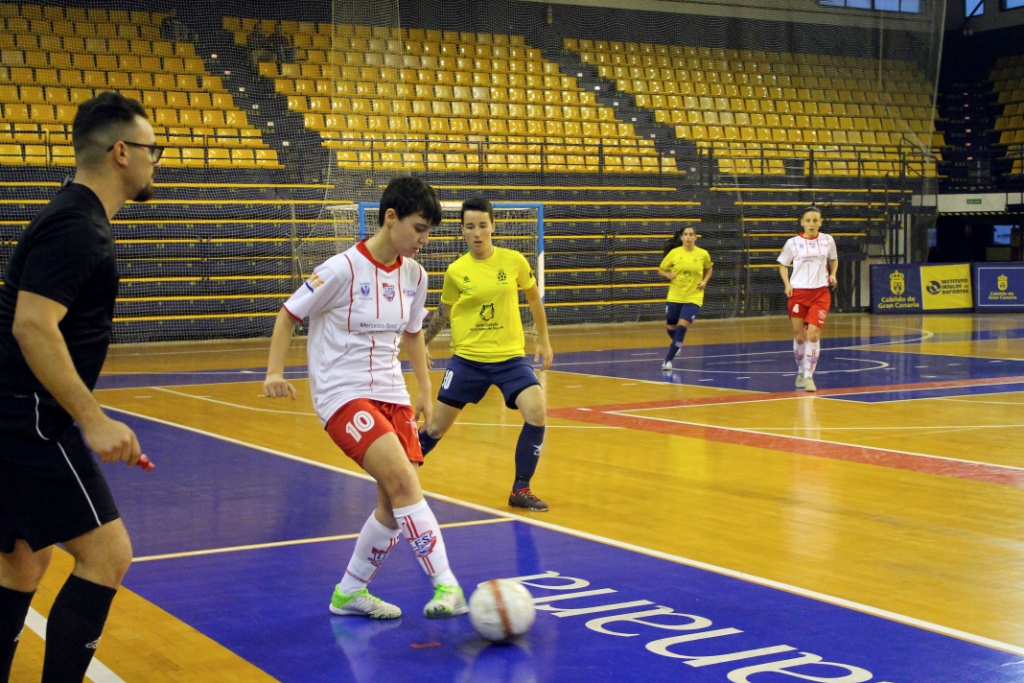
pixel 51 487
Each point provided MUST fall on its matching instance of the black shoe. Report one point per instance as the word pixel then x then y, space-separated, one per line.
pixel 524 498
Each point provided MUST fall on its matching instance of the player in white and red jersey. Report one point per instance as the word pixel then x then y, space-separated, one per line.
pixel 361 304
pixel 815 261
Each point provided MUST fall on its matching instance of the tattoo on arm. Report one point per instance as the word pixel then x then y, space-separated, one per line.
pixel 435 323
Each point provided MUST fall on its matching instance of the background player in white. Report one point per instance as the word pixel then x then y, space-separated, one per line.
pixel 360 305
pixel 815 262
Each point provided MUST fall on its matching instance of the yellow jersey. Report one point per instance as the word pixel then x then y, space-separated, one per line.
pixel 689 267
pixel 484 296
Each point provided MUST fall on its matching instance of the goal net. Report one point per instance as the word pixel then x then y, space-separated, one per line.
pixel 516 226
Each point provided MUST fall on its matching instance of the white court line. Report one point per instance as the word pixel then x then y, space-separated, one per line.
pixel 822 441
pixel 750 578
pixel 297 541
pixel 312 414
pixel 97 671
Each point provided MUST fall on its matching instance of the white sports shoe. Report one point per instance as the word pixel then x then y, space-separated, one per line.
pixel 666 365
pixel 800 380
pixel 363 604
pixel 809 384
pixel 448 601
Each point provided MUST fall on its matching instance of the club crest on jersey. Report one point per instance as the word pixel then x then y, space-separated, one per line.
pixel 424 545
pixel 501 275
pixel 389 291
pixel 487 312
pixel 465 278
pixel 364 290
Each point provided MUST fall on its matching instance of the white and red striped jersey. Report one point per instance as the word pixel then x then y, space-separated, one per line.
pixel 810 260
pixel 358 309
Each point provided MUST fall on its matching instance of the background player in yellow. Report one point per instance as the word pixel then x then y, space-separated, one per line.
pixel 481 295
pixel 688 269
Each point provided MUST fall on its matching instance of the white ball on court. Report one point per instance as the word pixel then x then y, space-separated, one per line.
pixel 501 610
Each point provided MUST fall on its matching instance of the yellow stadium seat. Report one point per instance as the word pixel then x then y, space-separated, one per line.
pixel 10 155
pixel 63 155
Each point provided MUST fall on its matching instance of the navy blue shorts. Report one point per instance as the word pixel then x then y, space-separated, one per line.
pixel 675 312
pixel 467 381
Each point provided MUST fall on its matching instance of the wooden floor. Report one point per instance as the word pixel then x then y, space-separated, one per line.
pixel 913 505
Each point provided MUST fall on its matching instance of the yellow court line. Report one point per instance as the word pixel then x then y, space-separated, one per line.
pixel 697 564
pixel 298 541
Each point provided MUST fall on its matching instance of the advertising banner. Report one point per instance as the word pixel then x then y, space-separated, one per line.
pixel 895 288
pixel 999 287
pixel 921 288
pixel 946 287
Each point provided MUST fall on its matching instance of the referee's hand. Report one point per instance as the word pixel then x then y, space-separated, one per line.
pixel 113 441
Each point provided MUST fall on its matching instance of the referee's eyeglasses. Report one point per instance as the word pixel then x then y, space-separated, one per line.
pixel 155 151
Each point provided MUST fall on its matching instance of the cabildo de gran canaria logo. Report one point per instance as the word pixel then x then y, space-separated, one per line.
pixel 897 282
pixel 1002 282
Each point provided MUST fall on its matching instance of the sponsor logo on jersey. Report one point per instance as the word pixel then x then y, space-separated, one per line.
pixel 364 290
pixel 93 645
pixel 465 278
pixel 897 283
pixel 314 282
pixel 487 312
pixel 389 291
pixel 424 545
pixel 409 292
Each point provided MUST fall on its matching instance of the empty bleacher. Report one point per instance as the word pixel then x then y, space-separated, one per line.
pixel 53 58
pixel 446 101
pixel 1008 83
pixel 754 110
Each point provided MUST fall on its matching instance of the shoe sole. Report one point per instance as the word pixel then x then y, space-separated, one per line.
pixel 341 612
pixel 458 611
pixel 528 509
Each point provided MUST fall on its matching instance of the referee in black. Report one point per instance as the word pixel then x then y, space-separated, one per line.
pixel 56 311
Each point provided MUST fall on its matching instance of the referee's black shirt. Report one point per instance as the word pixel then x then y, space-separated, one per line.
pixel 66 254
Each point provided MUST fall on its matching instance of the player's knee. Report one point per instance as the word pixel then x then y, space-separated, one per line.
pixel 813 334
pixel 535 412
pixel 401 485
pixel 23 570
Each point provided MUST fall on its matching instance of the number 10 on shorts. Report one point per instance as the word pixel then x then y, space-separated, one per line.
pixel 361 423
pixel 447 381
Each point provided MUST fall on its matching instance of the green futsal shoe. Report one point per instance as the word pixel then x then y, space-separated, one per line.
pixel 800 380
pixel 363 604
pixel 448 602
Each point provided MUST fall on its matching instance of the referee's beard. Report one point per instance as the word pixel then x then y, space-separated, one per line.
pixel 145 194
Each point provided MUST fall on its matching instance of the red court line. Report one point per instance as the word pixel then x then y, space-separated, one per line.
pixel 764 395
pixel 993 474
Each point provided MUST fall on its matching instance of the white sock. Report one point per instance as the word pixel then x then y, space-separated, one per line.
pixel 372 547
pixel 798 353
pixel 811 359
pixel 420 528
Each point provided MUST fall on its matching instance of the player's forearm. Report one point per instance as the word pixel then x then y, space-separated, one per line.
pixel 284 328
pixel 833 267
pixel 435 323
pixel 416 347
pixel 707 275
pixel 665 274
pixel 47 355
pixel 784 273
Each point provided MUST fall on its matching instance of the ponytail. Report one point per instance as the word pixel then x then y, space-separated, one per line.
pixel 675 241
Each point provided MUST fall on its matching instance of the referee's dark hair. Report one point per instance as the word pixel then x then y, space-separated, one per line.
pixel 476 204
pixel 407 196
pixel 99 123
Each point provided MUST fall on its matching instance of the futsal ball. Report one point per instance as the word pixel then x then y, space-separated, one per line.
pixel 501 610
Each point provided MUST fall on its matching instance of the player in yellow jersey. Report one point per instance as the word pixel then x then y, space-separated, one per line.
pixel 688 269
pixel 481 295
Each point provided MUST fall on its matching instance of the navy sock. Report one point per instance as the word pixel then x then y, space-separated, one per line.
pixel 73 629
pixel 427 442
pixel 13 609
pixel 527 454
pixel 677 342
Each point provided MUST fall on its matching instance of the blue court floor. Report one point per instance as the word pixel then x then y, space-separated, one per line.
pixel 606 612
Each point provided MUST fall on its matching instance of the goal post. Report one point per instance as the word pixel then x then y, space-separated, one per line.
pixel 517 225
